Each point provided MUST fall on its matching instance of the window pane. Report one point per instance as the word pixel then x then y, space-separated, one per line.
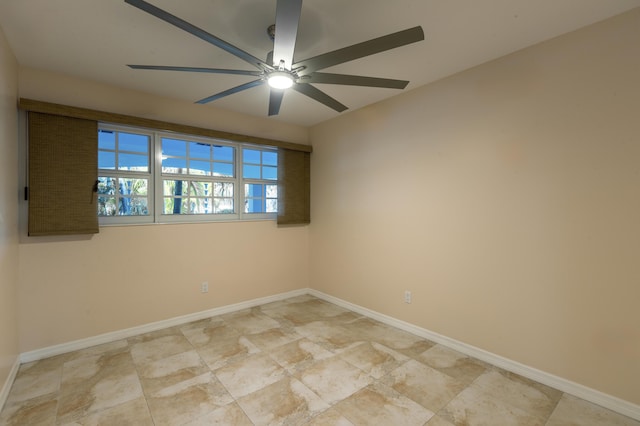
pixel 200 206
pixel 175 187
pixel 223 169
pixel 223 205
pixel 253 205
pixel 270 173
pixel 106 160
pixel 271 191
pixel 176 206
pixel 270 158
pixel 174 147
pixel 106 206
pixel 106 185
pixel 272 206
pixel 200 189
pixel 253 190
pixel 129 186
pixel 199 150
pixel 139 206
pixel 133 206
pixel 251 156
pixel 174 165
pixel 222 153
pixel 221 189
pixel 106 139
pixel 133 142
pixel 135 162
pixel 251 172
pixel 200 168
pixel 168 206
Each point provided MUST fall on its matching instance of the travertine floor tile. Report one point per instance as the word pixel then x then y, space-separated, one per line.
pixel 272 338
pixel 250 374
pixel 158 345
pixel 380 405
pixel 572 411
pixel 453 363
pixel 250 321
pixel 388 336
pixel 334 379
pixel 132 413
pixel 205 332
pixel 166 372
pixel 330 417
pixel 374 358
pixel 230 414
pixel 104 349
pixel 285 402
pixel 532 397
pixel 298 355
pixel 474 406
pixel 334 338
pixel 36 379
pixel 424 385
pixel 233 349
pixel 438 421
pixel 305 311
pixel 94 383
pixel 187 401
pixel 39 411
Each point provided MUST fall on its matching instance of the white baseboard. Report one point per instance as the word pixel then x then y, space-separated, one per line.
pixel 146 328
pixel 6 387
pixel 588 394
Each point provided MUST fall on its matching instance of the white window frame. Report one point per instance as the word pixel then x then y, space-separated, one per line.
pixel 155 186
pixel 128 220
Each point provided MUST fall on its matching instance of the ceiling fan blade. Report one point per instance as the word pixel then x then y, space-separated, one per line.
pixel 194 69
pixel 360 50
pixel 231 91
pixel 275 100
pixel 354 80
pixel 200 33
pixel 319 95
pixel 287 19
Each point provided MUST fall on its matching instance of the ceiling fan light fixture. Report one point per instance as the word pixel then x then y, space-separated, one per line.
pixel 280 80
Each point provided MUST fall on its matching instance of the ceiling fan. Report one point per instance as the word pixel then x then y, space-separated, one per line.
pixel 280 71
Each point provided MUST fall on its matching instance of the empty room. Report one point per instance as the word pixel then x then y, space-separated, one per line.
pixel 288 212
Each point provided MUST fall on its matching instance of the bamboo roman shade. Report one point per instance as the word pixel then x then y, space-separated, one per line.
pixel 63 169
pixel 294 203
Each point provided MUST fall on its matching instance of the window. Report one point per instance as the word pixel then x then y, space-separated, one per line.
pixel 260 173
pixel 124 175
pixel 160 177
pixel 198 177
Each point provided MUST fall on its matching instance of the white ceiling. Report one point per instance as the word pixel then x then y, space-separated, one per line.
pixel 94 39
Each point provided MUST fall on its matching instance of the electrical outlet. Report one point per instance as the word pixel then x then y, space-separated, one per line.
pixel 204 287
pixel 407 296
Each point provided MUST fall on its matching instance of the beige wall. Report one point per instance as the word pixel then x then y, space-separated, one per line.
pixel 129 276
pixel 73 288
pixel 8 210
pixel 506 198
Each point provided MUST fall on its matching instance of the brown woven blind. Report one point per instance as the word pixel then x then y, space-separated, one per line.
pixel 63 169
pixel 294 203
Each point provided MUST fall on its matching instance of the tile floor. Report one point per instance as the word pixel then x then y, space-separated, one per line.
pixel 293 362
